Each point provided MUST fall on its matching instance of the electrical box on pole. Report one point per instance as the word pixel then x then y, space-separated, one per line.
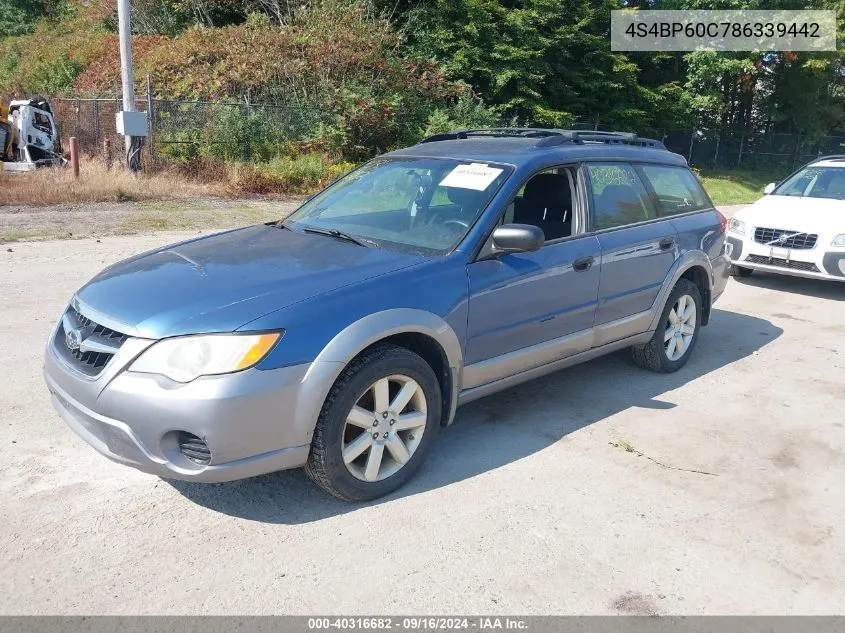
pixel 132 123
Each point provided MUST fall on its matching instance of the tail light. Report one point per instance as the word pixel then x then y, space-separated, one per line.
pixel 723 222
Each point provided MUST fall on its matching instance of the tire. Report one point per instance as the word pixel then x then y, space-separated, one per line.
pixel 740 271
pixel 341 428
pixel 655 355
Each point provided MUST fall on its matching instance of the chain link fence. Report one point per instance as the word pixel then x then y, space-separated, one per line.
pixel 184 130
pixel 730 149
pixel 187 129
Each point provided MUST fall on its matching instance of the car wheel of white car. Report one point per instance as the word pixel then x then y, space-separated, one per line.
pixel 740 271
pixel 677 331
pixel 377 424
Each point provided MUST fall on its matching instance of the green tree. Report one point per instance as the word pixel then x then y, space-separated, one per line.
pixel 17 17
pixel 545 61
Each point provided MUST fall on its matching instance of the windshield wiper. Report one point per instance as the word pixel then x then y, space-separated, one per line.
pixel 335 233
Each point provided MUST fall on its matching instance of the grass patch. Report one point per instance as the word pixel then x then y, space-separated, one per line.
pixel 189 218
pixel 735 187
pixel 23 235
pixel 98 183
pixel 163 189
pixel 148 223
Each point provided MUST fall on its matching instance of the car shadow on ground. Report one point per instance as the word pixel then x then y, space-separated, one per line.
pixel 502 428
pixel 819 288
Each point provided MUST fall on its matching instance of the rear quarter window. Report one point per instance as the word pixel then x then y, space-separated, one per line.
pixel 676 188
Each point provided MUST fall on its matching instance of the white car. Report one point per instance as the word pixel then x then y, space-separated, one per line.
pixel 797 228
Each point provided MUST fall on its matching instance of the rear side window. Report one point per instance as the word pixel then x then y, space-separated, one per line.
pixel 619 197
pixel 676 188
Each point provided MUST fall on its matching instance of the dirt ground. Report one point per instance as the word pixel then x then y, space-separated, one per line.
pixel 603 488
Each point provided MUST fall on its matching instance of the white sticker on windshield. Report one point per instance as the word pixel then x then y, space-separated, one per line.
pixel 476 176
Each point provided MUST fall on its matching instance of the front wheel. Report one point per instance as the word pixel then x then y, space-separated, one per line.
pixel 677 331
pixel 377 425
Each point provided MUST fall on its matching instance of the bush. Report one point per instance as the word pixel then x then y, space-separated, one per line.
pixel 285 175
pixel 238 135
pixel 337 79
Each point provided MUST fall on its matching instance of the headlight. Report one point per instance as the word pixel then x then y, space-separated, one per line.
pixel 736 226
pixel 839 240
pixel 186 358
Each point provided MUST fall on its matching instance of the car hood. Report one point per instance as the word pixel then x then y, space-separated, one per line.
pixel 812 215
pixel 220 282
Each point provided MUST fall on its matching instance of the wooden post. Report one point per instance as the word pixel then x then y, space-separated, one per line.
pixel 74 157
pixel 107 155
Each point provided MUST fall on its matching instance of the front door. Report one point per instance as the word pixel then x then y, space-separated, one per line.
pixel 528 309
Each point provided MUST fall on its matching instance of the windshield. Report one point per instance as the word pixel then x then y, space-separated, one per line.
pixel 815 182
pixel 424 205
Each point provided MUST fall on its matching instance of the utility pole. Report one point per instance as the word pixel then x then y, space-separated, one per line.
pixel 132 124
pixel 124 29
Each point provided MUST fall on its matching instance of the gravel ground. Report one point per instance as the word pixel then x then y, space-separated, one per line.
pixel 582 492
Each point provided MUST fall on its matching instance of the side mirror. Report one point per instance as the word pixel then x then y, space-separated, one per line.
pixel 517 238
pixel 769 188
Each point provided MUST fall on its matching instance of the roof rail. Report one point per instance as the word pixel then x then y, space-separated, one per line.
pixel 549 137
pixel 828 157
pixel 496 132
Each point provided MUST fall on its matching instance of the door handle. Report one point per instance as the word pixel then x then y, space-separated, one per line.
pixel 583 263
pixel 666 243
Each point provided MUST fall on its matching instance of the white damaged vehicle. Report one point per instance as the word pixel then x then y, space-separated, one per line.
pixel 797 228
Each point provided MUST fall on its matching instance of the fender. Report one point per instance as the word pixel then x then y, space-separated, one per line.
pixel 681 265
pixel 356 337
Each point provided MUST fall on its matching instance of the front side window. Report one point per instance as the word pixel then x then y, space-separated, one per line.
pixel 423 205
pixel 619 197
pixel 676 188
pixel 546 201
pixel 815 182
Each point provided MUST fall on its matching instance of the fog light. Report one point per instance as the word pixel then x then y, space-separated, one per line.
pixel 194 448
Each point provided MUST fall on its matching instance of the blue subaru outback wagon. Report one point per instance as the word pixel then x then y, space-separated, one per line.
pixel 342 338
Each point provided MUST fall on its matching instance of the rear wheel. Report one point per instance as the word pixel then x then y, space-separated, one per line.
pixel 740 271
pixel 377 425
pixel 677 332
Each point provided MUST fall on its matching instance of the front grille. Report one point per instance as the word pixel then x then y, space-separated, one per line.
pixel 796 239
pixel 194 448
pixel 783 263
pixel 94 345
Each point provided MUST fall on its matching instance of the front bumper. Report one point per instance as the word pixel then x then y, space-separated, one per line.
pixel 820 262
pixel 253 422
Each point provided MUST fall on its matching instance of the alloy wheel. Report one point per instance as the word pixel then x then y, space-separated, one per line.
pixel 384 428
pixel 680 328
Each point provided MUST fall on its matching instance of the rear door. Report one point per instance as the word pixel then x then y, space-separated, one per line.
pixel 638 248
pixel 678 195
